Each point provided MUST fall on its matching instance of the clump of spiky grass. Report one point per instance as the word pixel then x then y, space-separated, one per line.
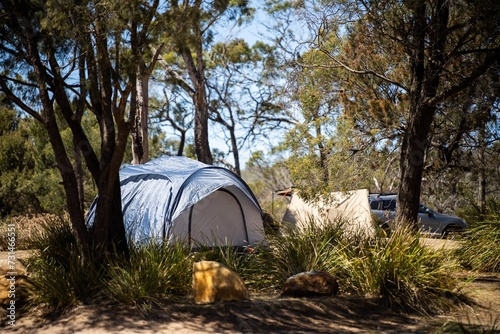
pixel 62 276
pixel 480 249
pixel 311 246
pixel 396 267
pixel 154 272
pixel 405 273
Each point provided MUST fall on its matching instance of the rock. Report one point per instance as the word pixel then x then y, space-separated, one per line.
pixel 213 282
pixel 15 290
pixel 311 284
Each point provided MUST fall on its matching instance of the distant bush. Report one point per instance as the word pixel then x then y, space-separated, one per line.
pixel 26 227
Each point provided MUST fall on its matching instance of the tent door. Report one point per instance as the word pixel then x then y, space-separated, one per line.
pixel 218 218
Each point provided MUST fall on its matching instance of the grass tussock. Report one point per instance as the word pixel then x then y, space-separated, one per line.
pixel 26 228
pixel 397 268
pixel 481 244
pixel 406 274
pixel 153 273
pixel 62 277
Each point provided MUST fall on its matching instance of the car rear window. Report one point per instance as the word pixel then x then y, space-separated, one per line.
pixel 375 205
pixel 389 205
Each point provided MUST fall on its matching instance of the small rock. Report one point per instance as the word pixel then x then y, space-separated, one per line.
pixel 213 282
pixel 311 284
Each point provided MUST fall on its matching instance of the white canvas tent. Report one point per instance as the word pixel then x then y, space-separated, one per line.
pixel 180 199
pixel 351 206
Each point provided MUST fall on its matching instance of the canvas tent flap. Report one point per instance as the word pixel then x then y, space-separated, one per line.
pixel 351 206
pixel 177 198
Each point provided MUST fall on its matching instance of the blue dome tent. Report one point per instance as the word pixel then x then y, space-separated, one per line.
pixel 180 199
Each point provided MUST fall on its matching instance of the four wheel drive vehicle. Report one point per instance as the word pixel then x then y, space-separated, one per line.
pixel 432 222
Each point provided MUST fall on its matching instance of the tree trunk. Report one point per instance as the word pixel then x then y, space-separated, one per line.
pixel 236 153
pixel 196 71
pixel 140 133
pixel 108 234
pixel 482 172
pixel 412 162
pixel 426 67
pixel 202 146
pixel 70 185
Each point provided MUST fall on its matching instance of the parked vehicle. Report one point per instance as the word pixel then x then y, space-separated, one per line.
pixel 431 222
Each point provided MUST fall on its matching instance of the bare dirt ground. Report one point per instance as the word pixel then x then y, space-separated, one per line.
pixel 271 314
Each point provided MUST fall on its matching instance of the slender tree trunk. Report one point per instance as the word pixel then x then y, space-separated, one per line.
pixel 202 145
pixel 140 135
pixel 236 153
pixel 182 143
pixel 70 185
pixel 142 155
pixel 482 172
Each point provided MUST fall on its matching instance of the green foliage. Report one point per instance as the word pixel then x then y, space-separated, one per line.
pixel 155 271
pixel 401 270
pixel 481 245
pixel 61 276
pixel 312 247
pixel 29 183
pixel 404 273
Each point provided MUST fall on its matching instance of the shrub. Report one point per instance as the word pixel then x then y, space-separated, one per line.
pixel 61 276
pixel 155 271
pixel 480 250
pixel 400 270
pixel 406 274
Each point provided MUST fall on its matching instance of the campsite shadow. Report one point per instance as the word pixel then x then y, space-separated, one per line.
pixel 263 314
pixel 293 315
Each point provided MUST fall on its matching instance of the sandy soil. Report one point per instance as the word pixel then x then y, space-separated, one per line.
pixel 271 314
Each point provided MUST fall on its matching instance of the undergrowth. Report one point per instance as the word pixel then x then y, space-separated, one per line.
pixel 396 268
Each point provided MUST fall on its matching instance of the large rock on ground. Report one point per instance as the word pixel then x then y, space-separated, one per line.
pixel 311 284
pixel 213 282
pixel 15 290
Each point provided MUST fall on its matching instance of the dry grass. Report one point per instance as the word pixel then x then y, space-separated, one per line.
pixel 26 228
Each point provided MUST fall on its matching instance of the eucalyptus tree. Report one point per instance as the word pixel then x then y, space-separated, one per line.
pixel 243 91
pixel 143 18
pixel 190 29
pixel 430 51
pixel 63 58
pixel 172 108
